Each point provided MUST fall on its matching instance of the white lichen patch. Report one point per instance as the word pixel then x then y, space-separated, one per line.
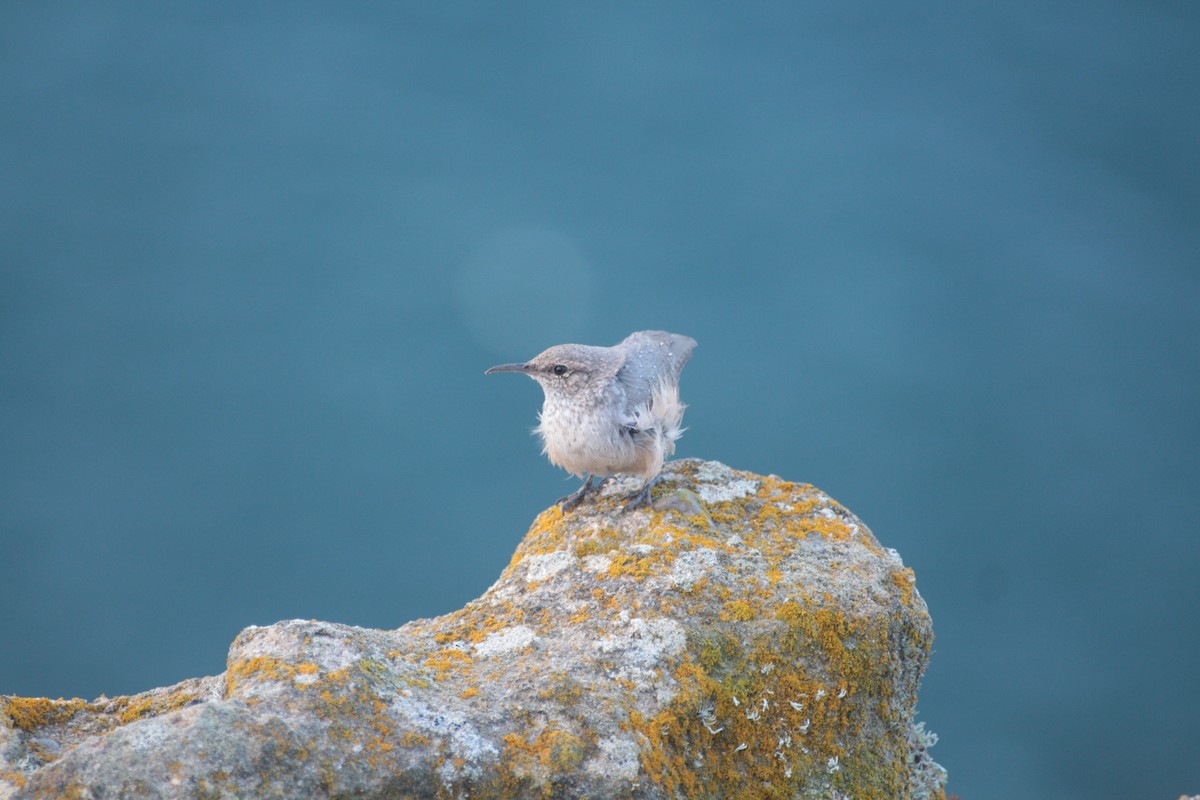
pixel 597 563
pixel 645 644
pixel 619 486
pixel 713 493
pixel 717 483
pixel 330 652
pixel 543 567
pixel 470 752
pixel 691 566
pixel 713 472
pixel 618 758
pixel 518 637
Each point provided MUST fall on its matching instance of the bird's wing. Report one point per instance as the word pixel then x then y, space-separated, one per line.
pixel 651 358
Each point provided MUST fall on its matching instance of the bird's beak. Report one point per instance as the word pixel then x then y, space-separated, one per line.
pixel 508 368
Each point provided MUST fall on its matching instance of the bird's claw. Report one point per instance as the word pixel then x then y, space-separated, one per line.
pixel 640 498
pixel 575 498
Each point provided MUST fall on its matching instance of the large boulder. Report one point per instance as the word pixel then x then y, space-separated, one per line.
pixel 745 637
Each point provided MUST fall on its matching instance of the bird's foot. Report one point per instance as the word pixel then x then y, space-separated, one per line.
pixel 640 498
pixel 575 498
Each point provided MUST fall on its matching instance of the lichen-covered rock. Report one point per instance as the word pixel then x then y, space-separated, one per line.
pixel 747 637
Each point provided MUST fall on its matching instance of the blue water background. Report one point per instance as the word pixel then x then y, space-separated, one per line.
pixel 942 260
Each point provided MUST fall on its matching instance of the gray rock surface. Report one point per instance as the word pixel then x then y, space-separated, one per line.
pixel 746 637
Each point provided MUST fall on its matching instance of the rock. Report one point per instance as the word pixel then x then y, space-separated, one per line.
pixel 747 637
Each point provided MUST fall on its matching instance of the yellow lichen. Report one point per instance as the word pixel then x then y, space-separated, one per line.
pixel 764 725
pixel 132 709
pixel 443 662
pixel 630 566
pixel 258 668
pixel 905 580
pixel 30 713
pixel 410 740
pixel 739 610
pixel 554 751
pixel 589 547
pixel 16 778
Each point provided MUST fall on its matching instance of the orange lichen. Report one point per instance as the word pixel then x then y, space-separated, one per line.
pixel 631 566
pixel 30 713
pixel 738 610
pixel 258 668
pixel 410 740
pixel 905 580
pixel 15 778
pixel 554 751
pixel 443 662
pixel 762 722
pixel 135 708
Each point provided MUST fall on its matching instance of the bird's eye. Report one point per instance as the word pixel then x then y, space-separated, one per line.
pixel 559 369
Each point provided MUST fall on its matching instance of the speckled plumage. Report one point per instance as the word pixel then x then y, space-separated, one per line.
pixel 610 410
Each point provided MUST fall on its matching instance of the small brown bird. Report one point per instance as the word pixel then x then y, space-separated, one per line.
pixel 610 410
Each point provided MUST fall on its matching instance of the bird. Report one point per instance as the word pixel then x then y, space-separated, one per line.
pixel 610 410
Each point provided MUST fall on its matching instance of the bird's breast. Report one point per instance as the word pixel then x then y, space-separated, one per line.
pixel 585 440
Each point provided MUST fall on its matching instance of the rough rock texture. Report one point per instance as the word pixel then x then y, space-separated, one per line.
pixel 747 637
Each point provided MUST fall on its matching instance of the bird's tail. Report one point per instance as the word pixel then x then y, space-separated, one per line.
pixel 664 413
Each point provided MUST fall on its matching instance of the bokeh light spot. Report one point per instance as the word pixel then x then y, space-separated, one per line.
pixel 523 290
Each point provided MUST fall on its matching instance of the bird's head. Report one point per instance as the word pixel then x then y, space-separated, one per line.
pixel 568 369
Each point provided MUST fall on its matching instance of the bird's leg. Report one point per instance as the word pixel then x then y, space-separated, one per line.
pixel 575 498
pixel 640 498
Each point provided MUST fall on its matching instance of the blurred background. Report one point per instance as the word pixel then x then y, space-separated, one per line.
pixel 941 259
